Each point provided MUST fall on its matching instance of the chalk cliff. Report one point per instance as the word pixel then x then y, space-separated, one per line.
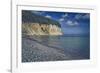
pixel 33 24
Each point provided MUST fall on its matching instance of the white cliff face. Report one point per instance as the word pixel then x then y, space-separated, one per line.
pixel 54 30
pixel 40 29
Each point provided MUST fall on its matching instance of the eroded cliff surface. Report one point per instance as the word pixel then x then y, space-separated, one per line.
pixel 33 24
pixel 40 29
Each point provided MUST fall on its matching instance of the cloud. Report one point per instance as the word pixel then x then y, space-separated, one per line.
pixel 76 23
pixel 72 23
pixel 37 12
pixel 69 22
pixel 61 19
pixel 65 15
pixel 80 16
pixel 86 16
pixel 48 16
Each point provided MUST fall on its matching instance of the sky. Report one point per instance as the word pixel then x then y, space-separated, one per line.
pixel 71 23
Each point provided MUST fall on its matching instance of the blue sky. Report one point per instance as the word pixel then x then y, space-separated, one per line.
pixel 71 23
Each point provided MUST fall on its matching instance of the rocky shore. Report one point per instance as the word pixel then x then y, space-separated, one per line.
pixel 34 51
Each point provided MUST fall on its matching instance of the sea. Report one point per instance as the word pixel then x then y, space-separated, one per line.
pixel 77 46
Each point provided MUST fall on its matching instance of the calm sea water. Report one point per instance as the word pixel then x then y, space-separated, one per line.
pixel 75 46
pixel 72 47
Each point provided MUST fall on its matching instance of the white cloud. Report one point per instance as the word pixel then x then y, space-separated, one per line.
pixel 72 23
pixel 65 15
pixel 61 19
pixel 37 12
pixel 69 22
pixel 80 16
pixel 76 23
pixel 48 16
pixel 86 16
